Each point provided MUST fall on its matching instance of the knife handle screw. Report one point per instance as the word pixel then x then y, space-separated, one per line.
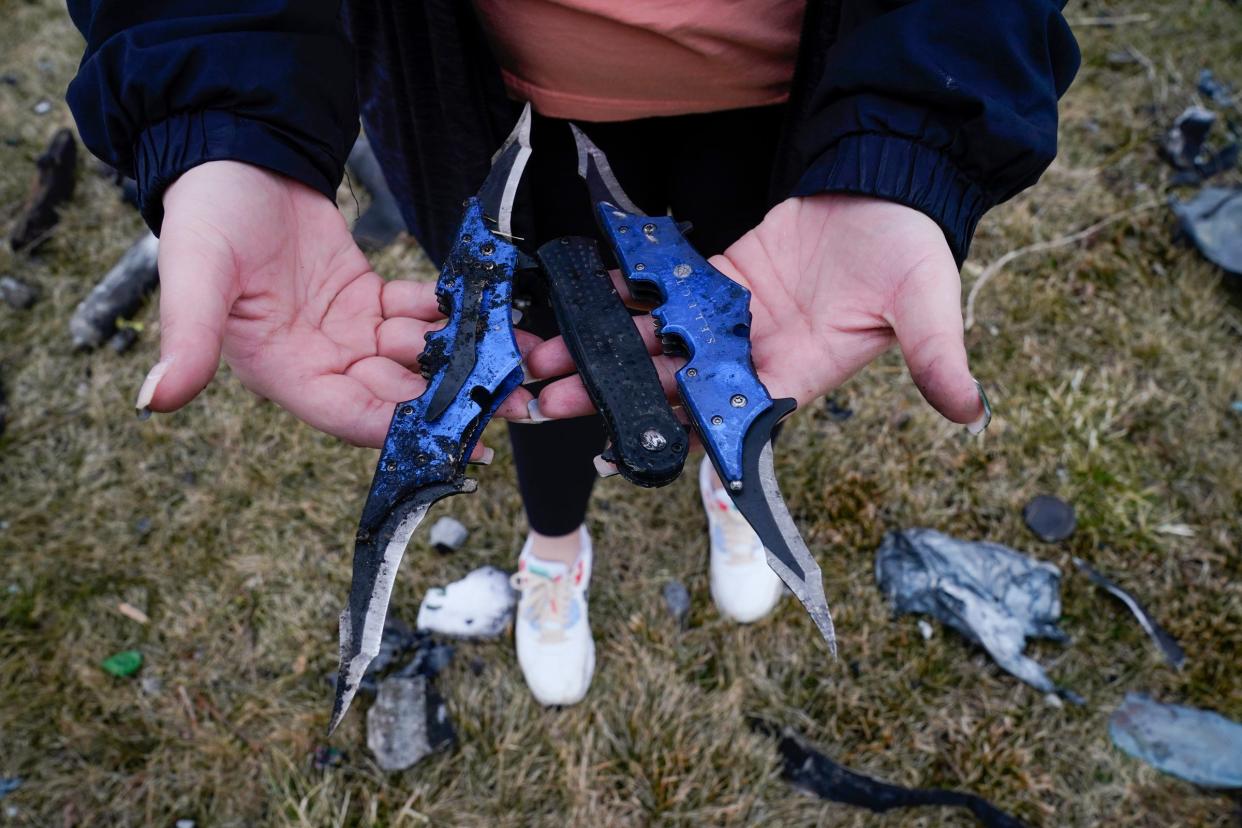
pixel 717 420
pixel 738 401
pixel 487 249
pixel 391 465
pixel 692 372
pixel 735 485
pixel 407 410
pixel 648 228
pixel 640 266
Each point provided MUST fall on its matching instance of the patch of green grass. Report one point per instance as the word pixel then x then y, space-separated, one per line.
pixel 1110 363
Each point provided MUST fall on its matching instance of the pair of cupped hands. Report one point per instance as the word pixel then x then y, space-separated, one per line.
pixel 262 270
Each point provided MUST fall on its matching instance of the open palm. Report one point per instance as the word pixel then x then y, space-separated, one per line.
pixel 263 269
pixel 835 280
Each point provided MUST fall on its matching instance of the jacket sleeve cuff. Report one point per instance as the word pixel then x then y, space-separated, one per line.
pixel 171 147
pixel 905 171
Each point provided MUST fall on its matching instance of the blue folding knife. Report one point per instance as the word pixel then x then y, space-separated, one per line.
pixel 705 316
pixel 472 364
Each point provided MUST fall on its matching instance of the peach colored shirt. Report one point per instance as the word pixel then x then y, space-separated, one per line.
pixel 615 60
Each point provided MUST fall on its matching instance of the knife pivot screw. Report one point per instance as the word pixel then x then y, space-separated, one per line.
pixel 735 485
pixel 640 266
pixel 487 249
pixel 623 229
pixel 648 228
pixel 653 440
pixel 738 401
pixel 681 271
pixel 407 410
pixel 717 420
pixel 391 465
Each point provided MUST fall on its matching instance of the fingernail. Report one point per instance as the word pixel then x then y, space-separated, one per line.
pixel 536 416
pixel 980 424
pixel 147 391
pixel 485 458
pixel 527 377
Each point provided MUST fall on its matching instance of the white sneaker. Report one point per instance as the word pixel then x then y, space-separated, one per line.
pixel 554 644
pixel 743 586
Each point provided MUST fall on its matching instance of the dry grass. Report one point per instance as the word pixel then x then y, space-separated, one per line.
pixel 1111 365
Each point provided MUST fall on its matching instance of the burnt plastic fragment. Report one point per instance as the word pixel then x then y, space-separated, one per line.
pixel 813 772
pixel 53 186
pixel 1050 518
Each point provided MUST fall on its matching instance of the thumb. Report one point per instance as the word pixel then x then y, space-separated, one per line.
pixel 198 278
pixel 927 319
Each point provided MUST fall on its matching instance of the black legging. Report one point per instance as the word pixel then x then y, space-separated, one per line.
pixel 711 170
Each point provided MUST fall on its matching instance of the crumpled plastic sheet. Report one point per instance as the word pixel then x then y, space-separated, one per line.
pixel 991 594
pixel 1212 220
pixel 1196 745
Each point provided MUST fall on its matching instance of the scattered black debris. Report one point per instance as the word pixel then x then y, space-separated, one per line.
pixel 4 412
pixel 994 596
pixel 9 79
pixel 1196 745
pixel 117 296
pixel 1173 652
pixel 813 772
pixel 1050 518
pixel 447 535
pixel 53 186
pixel 837 410
pixel 380 225
pixel 677 600
pixel 1186 147
pixel 407 722
pixel 1212 220
pixel 327 758
pixel 1212 89
pixel 8 784
pixel 428 658
pixel 17 294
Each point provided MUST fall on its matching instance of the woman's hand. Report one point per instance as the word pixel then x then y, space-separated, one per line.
pixel 263 269
pixel 835 280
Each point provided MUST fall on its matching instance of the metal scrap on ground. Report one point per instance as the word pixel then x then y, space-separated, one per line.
pixel 447 535
pixel 989 593
pixel 1186 146
pixel 677 600
pixel 17 294
pixel 812 771
pixel 479 605
pixel 118 295
pixel 1173 653
pixel 1196 745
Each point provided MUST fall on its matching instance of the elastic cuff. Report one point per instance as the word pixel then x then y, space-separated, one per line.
pixel 171 147
pixel 901 170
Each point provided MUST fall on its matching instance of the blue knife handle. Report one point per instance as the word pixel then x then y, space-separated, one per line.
pixel 706 312
pixel 472 363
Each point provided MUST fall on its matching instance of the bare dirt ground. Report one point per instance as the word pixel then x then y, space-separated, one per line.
pixel 1111 363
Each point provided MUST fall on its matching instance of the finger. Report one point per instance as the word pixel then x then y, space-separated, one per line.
pixel 568 397
pixel 927 319
pixel 416 300
pixel 552 359
pixel 198 285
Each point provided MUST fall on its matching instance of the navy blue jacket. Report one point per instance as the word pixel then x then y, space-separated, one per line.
pixel 948 106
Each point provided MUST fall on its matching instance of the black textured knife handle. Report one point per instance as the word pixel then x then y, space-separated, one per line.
pixel 649 445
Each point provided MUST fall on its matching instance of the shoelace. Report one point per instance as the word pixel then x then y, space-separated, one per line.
pixel 547 598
